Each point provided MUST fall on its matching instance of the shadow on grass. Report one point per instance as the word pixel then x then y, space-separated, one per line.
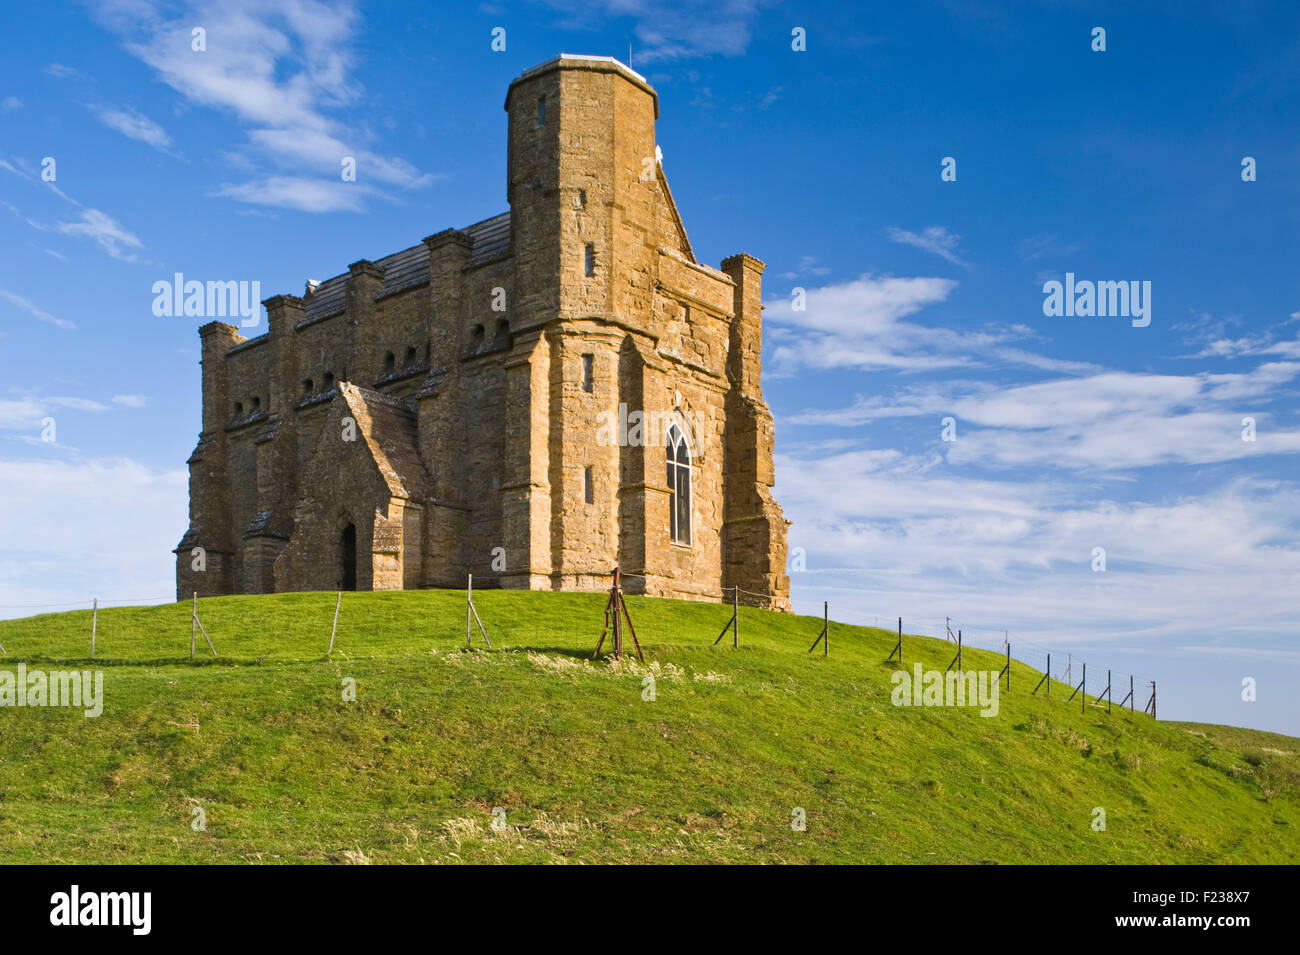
pixel 106 663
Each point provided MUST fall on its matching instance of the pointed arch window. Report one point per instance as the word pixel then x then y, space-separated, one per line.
pixel 679 486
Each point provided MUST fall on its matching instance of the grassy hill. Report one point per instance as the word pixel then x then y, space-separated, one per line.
pixel 586 770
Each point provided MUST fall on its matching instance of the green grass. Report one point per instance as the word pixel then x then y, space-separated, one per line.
pixel 586 770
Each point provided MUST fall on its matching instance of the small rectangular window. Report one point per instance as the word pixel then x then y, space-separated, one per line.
pixel 541 111
pixel 589 493
pixel 591 259
pixel 587 361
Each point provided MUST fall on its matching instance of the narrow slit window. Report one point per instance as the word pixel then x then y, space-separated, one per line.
pixel 679 487
pixel 541 111
pixel 590 264
pixel 587 383
pixel 588 492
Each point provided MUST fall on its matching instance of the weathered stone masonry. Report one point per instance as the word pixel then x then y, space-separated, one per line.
pixel 397 424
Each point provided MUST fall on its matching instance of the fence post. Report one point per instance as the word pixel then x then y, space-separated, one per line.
pixel 94 622
pixel 957 658
pixel 898 647
pixel 735 618
pixel 618 621
pixel 823 638
pixel 733 624
pixel 1047 677
pixel 334 629
pixel 1083 685
pixel 196 622
pixel 470 609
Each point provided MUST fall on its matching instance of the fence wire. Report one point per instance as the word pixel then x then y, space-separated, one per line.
pixel 378 616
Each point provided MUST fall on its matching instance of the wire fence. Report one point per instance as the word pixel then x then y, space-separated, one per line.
pixel 1075 672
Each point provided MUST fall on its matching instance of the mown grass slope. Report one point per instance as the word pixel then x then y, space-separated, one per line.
pixel 584 768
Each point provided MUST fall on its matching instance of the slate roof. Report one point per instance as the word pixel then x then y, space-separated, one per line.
pixel 489 240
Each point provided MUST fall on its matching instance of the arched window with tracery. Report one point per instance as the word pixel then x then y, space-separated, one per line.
pixel 679 486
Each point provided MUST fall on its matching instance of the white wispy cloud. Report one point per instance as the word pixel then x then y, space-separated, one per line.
pixel 134 125
pixel 1106 422
pixel 104 231
pixel 1046 246
pixel 808 265
pixel 35 311
pixel 862 324
pixel 936 240
pixel 91 224
pixel 670 30
pixel 282 71
pixel 24 413
pixel 1216 336
pixel 303 194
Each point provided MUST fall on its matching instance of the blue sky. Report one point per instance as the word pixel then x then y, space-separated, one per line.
pixel 924 297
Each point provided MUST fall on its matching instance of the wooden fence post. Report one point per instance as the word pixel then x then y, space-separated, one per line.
pixel 469 609
pixel 732 624
pixel 335 629
pixel 1047 678
pixel 194 623
pixel 823 638
pixel 898 647
pixel 735 618
pixel 957 658
pixel 94 623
